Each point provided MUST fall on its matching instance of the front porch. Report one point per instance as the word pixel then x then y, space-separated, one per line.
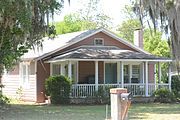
pixel 138 89
pixel 88 77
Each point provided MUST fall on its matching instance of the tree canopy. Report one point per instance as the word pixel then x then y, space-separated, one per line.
pixel 168 13
pixel 23 23
pixel 85 18
pixel 154 43
pixel 71 23
pixel 127 28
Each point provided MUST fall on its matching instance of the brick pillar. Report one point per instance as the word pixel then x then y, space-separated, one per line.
pixel 116 103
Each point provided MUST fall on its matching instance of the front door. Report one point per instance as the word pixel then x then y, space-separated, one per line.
pixel 110 73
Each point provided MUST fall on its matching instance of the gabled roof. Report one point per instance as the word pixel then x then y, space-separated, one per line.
pixel 49 45
pixel 65 40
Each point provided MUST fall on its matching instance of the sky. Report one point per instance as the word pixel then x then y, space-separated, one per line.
pixel 112 8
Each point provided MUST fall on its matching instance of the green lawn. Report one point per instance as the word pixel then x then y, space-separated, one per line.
pixel 74 112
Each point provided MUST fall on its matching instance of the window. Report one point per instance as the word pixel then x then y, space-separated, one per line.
pixel 135 69
pixel 135 73
pixel 24 72
pixel 126 74
pixel 98 41
pixel 56 69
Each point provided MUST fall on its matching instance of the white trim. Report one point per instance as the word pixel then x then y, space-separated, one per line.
pixel 132 62
pixel 155 77
pixel 24 84
pixel 118 72
pixel 20 72
pixel 62 69
pixel 70 70
pixel 77 72
pixel 159 72
pixel 142 72
pixel 104 72
pixel 122 74
pixel 51 69
pixel 146 78
pixel 35 63
pixel 96 75
pixel 110 60
pixel 100 46
pixel 130 72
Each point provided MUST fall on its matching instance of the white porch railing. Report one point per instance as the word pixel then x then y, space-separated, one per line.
pixel 152 87
pixel 88 90
pixel 82 90
pixel 136 89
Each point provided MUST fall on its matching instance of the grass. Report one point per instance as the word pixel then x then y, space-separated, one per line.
pixel 83 112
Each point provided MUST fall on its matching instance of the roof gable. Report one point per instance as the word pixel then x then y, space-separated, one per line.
pixel 83 35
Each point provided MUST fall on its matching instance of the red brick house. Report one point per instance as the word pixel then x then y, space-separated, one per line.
pixel 90 59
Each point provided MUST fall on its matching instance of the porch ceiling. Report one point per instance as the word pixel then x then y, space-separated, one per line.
pixel 110 54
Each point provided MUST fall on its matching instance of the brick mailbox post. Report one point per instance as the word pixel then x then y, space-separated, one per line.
pixel 120 102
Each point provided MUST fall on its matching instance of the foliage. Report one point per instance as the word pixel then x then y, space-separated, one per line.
pixel 23 24
pixel 92 16
pixel 3 99
pixel 75 22
pixel 127 28
pixel 176 86
pixel 163 95
pixel 19 93
pixel 102 96
pixel 154 44
pixel 86 18
pixel 58 87
pixel 165 12
pixel 71 23
pixel 128 12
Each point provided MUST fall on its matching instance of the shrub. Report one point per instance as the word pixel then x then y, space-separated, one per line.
pixel 163 95
pixel 102 96
pixel 3 99
pixel 176 86
pixel 58 87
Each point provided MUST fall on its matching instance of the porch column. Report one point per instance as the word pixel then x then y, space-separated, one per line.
pixel 70 70
pixel 159 72
pixel 96 75
pixel 62 69
pixel 146 77
pixel 155 76
pixel 169 76
pixel 142 72
pixel 51 68
pixel 122 74
pixel 118 73
pixel 130 72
